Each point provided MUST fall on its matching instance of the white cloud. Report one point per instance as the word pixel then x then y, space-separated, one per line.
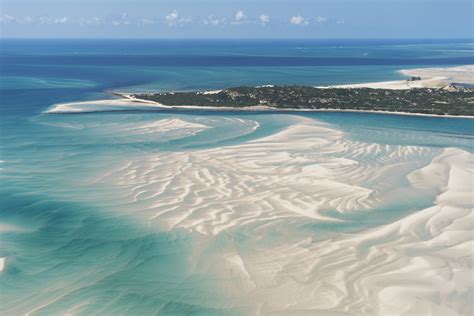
pixel 174 19
pixel 37 20
pixel 90 21
pixel 27 20
pixel 340 21
pixel 122 19
pixel 239 16
pixel 62 20
pixel 320 19
pixel 44 19
pixel 214 21
pixel 146 21
pixel 125 19
pixel 5 18
pixel 264 19
pixel 299 20
pixel 47 20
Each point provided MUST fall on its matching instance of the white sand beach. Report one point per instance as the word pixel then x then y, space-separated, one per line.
pixel 131 103
pixel 430 78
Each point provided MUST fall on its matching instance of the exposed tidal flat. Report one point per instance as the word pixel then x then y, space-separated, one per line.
pixel 116 207
pixel 302 219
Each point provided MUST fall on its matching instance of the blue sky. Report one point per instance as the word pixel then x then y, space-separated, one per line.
pixel 237 18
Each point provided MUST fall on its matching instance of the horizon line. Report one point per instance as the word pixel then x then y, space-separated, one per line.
pixel 245 38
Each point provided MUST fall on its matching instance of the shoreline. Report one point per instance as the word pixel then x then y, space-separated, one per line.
pixel 435 78
pixel 260 108
pixel 428 78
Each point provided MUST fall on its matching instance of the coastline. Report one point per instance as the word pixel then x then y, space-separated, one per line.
pixel 436 78
pixel 260 108
pixel 141 204
pixel 428 78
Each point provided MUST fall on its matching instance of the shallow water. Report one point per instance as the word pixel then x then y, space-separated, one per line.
pixel 141 212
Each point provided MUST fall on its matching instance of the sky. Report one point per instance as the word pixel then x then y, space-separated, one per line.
pixel 318 19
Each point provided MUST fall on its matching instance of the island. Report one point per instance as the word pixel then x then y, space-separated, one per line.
pixel 449 100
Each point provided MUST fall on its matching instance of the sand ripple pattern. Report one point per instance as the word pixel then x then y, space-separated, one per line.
pixel 239 197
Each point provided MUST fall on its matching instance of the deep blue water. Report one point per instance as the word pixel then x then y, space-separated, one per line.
pixel 68 250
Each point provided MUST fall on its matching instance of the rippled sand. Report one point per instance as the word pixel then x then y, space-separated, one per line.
pixel 306 221
pixel 265 189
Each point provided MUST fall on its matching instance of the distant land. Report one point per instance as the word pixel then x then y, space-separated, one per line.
pixel 450 100
pixel 445 92
pixel 428 91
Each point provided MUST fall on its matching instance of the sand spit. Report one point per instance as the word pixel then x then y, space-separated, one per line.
pixel 99 105
pixel 461 74
pixel 131 103
pixel 430 78
pixel 432 82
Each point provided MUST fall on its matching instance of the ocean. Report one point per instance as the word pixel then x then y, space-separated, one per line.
pixel 189 212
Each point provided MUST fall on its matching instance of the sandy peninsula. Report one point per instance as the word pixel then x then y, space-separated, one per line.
pixel 429 78
pixel 437 78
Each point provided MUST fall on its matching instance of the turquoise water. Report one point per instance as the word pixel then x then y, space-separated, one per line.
pixel 74 246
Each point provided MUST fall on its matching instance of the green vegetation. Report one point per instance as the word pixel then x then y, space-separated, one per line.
pixel 446 101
